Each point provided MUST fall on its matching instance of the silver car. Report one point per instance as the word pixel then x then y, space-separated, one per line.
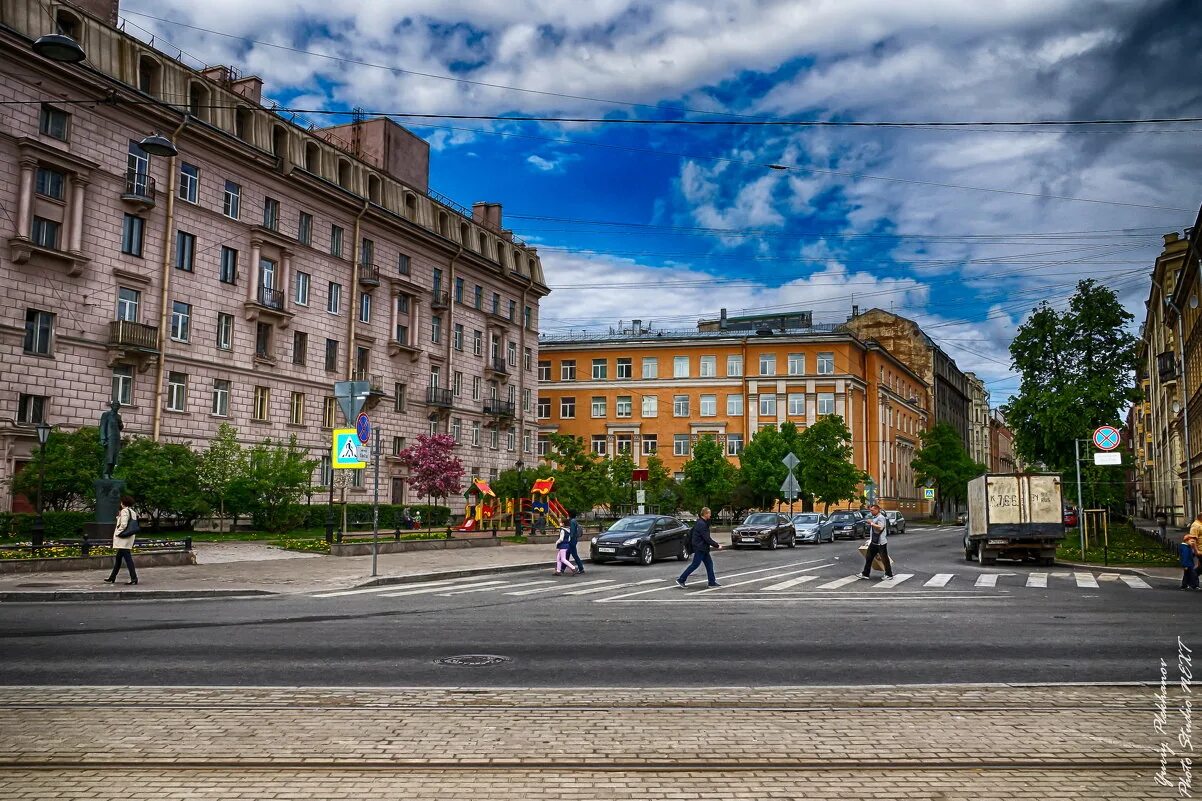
pixel 897 522
pixel 808 527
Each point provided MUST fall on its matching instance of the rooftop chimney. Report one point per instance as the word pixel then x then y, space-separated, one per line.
pixel 722 324
pixel 636 327
pixel 487 214
pixel 855 311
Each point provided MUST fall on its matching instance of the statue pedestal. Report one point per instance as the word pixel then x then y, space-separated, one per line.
pixel 108 500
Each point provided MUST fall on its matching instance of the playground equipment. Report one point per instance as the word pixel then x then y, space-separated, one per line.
pixel 489 510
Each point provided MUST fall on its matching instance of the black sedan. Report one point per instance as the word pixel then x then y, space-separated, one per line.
pixel 764 530
pixel 643 538
pixel 844 524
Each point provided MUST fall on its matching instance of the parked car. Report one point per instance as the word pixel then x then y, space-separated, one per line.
pixel 1070 516
pixel 897 522
pixel 643 538
pixel 845 524
pixel 807 525
pixel 764 530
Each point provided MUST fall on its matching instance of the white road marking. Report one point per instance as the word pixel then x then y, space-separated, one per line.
pixel 764 578
pixel 839 582
pixel 1108 577
pixel 827 597
pixel 732 575
pixel 939 580
pixel 890 583
pixel 386 587
pixel 427 590
pixel 987 580
pixel 560 586
pixel 609 586
pixel 1136 583
pixel 1086 581
pixel 784 585
pixel 503 586
pixel 1037 580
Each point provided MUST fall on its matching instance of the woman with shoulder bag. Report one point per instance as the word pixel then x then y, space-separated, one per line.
pixel 124 534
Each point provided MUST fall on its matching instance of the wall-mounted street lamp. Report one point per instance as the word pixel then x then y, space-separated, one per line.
pixel 59 47
pixel 159 145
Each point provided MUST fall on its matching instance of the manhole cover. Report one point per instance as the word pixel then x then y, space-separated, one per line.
pixel 472 660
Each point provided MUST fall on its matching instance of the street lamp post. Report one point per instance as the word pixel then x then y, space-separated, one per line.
pixel 39 525
pixel 517 507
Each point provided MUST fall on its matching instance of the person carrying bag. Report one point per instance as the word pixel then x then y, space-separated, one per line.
pixel 125 532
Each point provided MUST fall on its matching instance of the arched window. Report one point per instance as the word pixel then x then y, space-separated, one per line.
pixel 243 123
pixel 68 24
pixel 313 158
pixel 375 191
pixel 198 100
pixel 465 235
pixel 279 141
pixel 502 255
pixel 517 260
pixel 149 75
pixel 344 173
pixel 410 206
pixel 484 251
pixel 444 224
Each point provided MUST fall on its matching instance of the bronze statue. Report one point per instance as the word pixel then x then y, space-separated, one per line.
pixel 110 437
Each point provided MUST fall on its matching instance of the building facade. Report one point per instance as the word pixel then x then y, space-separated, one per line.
pixel 1002 458
pixel 650 393
pixel 235 282
pixel 979 442
pixel 1185 318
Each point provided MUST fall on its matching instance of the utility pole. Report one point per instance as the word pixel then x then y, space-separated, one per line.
pixel 375 508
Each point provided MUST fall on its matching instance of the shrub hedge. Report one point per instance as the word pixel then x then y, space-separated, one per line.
pixel 59 525
pixel 358 515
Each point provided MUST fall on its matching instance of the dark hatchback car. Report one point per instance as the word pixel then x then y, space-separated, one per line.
pixel 847 524
pixel 764 530
pixel 643 538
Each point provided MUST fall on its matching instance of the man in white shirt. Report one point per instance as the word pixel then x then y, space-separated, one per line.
pixel 878 528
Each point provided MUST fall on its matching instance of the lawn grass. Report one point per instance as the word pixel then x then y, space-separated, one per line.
pixel 1127 547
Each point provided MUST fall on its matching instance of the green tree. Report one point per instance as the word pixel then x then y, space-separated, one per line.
pixel 708 476
pixel 276 477
pixel 581 477
pixel 1077 374
pixel 659 486
pixel 826 471
pixel 620 486
pixel 72 464
pixel 218 468
pixel 760 465
pixel 161 478
pixel 943 461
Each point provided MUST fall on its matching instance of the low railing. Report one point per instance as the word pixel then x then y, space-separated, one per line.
pixel 369 275
pixel 374 380
pixel 128 334
pixel 442 300
pixel 498 365
pixel 499 408
pixel 138 186
pixel 438 396
pixel 271 298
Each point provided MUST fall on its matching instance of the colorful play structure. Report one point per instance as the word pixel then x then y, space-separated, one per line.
pixel 486 510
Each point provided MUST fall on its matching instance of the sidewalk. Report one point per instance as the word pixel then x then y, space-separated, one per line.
pixel 256 568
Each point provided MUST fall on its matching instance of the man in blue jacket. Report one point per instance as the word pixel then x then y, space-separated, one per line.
pixel 573 541
pixel 701 542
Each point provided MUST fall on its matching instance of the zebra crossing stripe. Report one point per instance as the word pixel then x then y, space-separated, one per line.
pixel 1086 581
pixel 890 583
pixel 732 575
pixel 764 578
pixel 503 586
pixel 552 589
pixel 1039 580
pixel 426 590
pixel 1136 583
pixel 839 582
pixel 784 585
pixel 986 580
pixel 602 588
pixel 444 583
pixel 939 580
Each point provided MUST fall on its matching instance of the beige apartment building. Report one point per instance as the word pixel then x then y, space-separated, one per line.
pixel 236 281
pixel 979 440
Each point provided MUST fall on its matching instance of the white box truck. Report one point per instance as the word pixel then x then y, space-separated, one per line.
pixel 1014 515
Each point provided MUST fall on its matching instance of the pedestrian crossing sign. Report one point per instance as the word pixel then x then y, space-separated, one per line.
pixel 928 493
pixel 344 451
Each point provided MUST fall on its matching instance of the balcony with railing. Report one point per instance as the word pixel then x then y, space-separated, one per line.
pixel 497 366
pixel 268 304
pixel 439 397
pixel 1166 366
pixel 139 189
pixel 499 408
pixel 132 342
pixel 374 380
pixel 271 298
pixel 440 301
pixel 369 276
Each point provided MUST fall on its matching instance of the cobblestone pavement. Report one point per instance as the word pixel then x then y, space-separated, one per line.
pixel 945 742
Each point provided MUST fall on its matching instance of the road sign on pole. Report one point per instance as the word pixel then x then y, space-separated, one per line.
pixel 363 428
pixel 791 461
pixel 1106 438
pixel 1106 458
pixel 790 488
pixel 928 493
pixel 344 450
pixel 350 396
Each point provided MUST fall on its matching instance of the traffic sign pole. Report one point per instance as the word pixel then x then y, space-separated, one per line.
pixel 375 507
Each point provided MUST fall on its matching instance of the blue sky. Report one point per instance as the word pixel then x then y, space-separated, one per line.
pixel 964 230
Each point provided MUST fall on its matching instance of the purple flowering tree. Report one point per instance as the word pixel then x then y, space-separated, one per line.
pixel 434 469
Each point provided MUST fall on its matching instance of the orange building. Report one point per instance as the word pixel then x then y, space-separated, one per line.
pixel 656 393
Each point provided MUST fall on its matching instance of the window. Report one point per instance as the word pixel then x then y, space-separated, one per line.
pixel 622 406
pixel 734 444
pixel 458 336
pixel 477 343
pixel 734 366
pixel 457 428
pixel 398 398
pixel 709 405
pixel 797 404
pixel 650 367
pixel 680 406
pixel 398 445
pixel 457 384
pixel 45 233
pixel 227 272
pixel 526 397
pixel 296 409
pixel 262 404
pixel 225 331
pixel 476 387
pixel 128 301
pixel 478 297
pixel 181 321
pixel 329 412
pixel 221 397
pixel 567 370
pixel 734 405
pixel 50 183
pixel 544 408
pixel 334 300
pixel 300 347
pixel 528 317
pixel 31 409
pixel 459 290
pixel 600 369
pixel 797 364
pixel 598 406
pixel 436 329
pixel 650 406
pixel 567 408
pixel 826 403
pixel 231 200
pixel 541 447
pixel 402 264
pixel 527 359
pixel 826 363
pixel 598 444
pixel 496 303
pixel 365 308
pixel 53 122
pixel 544 370
pixel 650 444
pixel 137 165
pixel 513 307
pixel 436 283
pixel 680 444
pixel 367 252
pixel 331 354
pixel 271 213
pixel 511 354
pixel 768 405
pixel 300 288
pixel 185 250
pixel 39 329
pixel 189 182
pixel 177 392
pixel 475 433
pixel 123 384
pixel 680 366
pixel 132 233
pixel 263 333
pixel 767 364
pixel 335 241
pixel 708 366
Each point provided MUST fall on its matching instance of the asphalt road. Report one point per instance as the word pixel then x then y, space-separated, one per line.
pixel 781 618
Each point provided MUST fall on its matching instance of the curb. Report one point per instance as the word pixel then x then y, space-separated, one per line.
pixel 1131 571
pixel 121 595
pixel 466 572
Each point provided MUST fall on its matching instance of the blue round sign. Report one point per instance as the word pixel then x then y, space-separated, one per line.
pixel 363 428
pixel 1106 438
